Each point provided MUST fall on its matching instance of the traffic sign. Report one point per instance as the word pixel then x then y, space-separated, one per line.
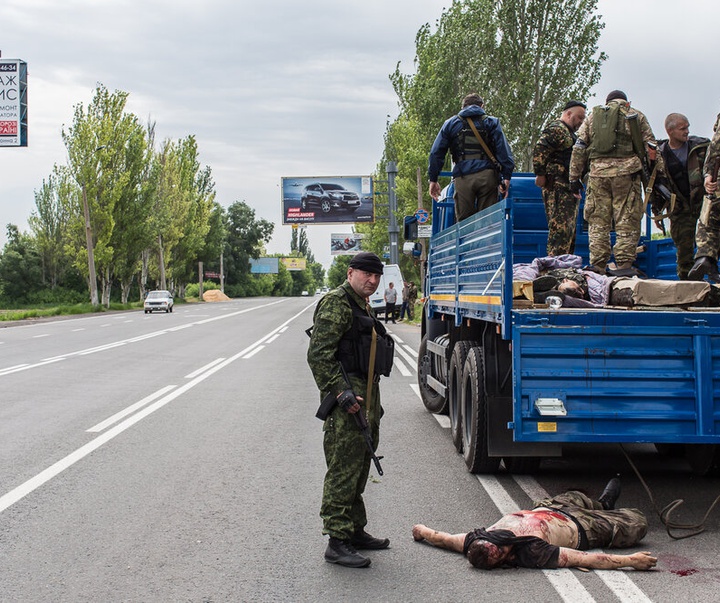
pixel 422 216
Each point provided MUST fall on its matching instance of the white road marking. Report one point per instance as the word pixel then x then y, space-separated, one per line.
pixel 273 338
pixel 283 330
pixel 443 421
pixel 43 335
pixel 412 361
pixel 24 367
pixel 107 324
pixel 255 351
pixel 204 368
pixel 103 425
pixel 46 475
pixel 404 371
pixel 76 330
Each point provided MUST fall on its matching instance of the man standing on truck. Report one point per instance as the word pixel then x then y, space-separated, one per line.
pixel 708 227
pixel 551 164
pixel 556 533
pixel 614 139
pixel 483 161
pixel 683 157
pixel 344 332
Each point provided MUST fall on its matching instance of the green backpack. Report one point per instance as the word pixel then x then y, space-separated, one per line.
pixel 606 122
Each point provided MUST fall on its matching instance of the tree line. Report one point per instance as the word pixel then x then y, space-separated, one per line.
pixel 147 212
pixel 526 58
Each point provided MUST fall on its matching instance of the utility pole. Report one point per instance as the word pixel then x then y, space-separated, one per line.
pixel 393 229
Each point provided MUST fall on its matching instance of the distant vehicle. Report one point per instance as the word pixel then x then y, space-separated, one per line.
pixel 305 293
pixel 329 197
pixel 158 300
pixel 324 290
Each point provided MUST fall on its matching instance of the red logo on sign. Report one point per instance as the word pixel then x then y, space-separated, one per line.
pixel 8 128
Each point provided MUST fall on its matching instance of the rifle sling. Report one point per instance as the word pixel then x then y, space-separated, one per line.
pixel 371 369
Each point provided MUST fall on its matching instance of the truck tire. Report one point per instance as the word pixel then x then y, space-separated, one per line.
pixel 433 401
pixel 454 385
pixel 473 404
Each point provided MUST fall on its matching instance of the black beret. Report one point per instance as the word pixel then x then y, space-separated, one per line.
pixel 616 94
pixel 574 103
pixel 368 262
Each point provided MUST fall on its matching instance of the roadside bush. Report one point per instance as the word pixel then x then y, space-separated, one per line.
pixel 193 289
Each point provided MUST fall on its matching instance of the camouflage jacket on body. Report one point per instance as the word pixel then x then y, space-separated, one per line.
pixel 606 167
pixel 551 155
pixel 333 318
pixel 697 150
pixel 713 152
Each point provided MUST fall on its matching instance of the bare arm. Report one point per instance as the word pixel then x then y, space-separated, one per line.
pixel 573 558
pixel 452 542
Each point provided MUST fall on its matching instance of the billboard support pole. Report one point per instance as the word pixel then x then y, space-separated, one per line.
pixel 393 229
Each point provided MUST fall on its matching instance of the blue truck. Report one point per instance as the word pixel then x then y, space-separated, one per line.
pixel 519 380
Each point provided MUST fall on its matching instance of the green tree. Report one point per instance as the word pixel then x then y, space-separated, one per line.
pixel 246 237
pixel 338 270
pixel 20 267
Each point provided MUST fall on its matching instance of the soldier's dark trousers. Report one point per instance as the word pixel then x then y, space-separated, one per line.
pixel 348 466
pixel 475 192
pixel 682 231
pixel 618 528
pixel 561 210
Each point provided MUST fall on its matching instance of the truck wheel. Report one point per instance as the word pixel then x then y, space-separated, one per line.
pixel 704 459
pixel 454 385
pixel 433 401
pixel 473 405
pixel 521 464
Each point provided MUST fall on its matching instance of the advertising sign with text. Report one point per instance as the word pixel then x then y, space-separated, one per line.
pixel 13 103
pixel 327 200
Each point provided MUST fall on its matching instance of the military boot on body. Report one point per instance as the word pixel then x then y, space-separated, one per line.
pixel 343 553
pixel 704 265
pixel 610 494
pixel 363 540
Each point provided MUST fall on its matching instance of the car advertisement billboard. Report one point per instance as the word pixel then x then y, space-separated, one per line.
pixel 13 103
pixel 345 243
pixel 327 200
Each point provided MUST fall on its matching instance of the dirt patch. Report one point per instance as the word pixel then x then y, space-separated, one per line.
pixel 215 295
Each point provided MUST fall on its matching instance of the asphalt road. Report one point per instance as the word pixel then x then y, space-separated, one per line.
pixel 176 457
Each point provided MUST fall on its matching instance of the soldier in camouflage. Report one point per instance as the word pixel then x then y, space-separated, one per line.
pixel 680 165
pixel 614 185
pixel 551 164
pixel 707 235
pixel 346 453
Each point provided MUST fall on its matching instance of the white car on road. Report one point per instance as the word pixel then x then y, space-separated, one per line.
pixel 158 300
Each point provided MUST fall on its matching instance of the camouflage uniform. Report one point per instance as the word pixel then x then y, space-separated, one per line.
pixel 551 158
pixel 346 454
pixel 617 528
pixel 614 190
pixel 707 235
pixel 412 298
pixel 686 182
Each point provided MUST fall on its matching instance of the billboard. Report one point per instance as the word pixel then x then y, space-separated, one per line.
pixel 345 244
pixel 294 263
pixel 264 266
pixel 327 200
pixel 13 103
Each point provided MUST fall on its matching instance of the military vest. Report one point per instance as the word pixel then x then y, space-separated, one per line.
pixel 465 144
pixel 611 136
pixel 354 349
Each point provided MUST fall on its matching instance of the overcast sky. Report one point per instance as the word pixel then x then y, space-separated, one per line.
pixel 285 88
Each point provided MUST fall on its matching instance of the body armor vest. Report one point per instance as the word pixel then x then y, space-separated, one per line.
pixel 465 145
pixel 354 349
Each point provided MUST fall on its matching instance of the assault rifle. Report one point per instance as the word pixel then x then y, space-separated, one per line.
pixel 329 402
pixel 714 177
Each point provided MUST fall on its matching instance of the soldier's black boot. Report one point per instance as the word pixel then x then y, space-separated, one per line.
pixel 363 540
pixel 343 553
pixel 610 494
pixel 704 265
